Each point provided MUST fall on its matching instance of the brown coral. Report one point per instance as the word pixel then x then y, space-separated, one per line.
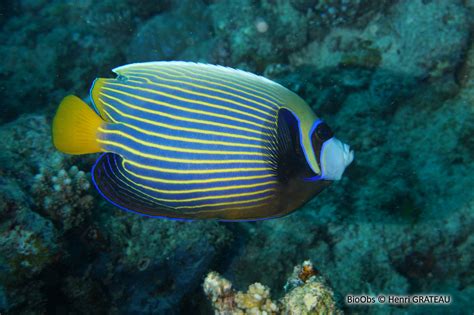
pixel 307 271
pixel 219 291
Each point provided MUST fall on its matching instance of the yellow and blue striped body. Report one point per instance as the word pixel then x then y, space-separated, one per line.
pixel 190 141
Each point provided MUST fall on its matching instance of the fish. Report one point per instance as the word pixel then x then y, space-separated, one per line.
pixel 188 141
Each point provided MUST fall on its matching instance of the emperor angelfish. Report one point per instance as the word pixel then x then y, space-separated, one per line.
pixel 184 140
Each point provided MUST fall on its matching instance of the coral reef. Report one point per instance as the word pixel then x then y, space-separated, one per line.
pixel 395 239
pixel 226 301
pixel 307 293
pixel 60 248
pixel 398 237
pixel 28 245
pixel 381 56
pixel 163 259
pixel 58 189
pixel 63 197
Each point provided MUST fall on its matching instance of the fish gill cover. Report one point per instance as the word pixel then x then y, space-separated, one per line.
pixel 392 78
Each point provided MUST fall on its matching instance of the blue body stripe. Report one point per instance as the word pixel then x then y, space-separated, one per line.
pixel 185 119
pixel 154 121
pixel 212 102
pixel 187 140
pixel 226 176
pixel 161 154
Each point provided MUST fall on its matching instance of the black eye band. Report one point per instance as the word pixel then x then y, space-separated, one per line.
pixel 323 132
pixel 320 134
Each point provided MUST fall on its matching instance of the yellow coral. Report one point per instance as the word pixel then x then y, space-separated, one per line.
pixel 216 286
pixel 314 297
pixel 311 296
pixel 256 300
pixel 225 301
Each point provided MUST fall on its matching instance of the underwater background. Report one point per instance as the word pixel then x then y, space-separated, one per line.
pixel 394 79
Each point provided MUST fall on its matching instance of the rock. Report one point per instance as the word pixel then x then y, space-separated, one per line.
pixel 262 34
pixel 167 36
pixel 406 40
pixel 153 264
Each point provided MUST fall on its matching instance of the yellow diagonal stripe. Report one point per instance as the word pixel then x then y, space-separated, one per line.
pixel 137 74
pixel 197 171
pixel 181 118
pixel 188 100
pixel 175 160
pixel 193 130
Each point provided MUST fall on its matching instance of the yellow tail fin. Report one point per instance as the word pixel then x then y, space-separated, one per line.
pixel 75 127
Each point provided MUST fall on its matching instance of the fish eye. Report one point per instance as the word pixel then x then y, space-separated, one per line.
pixel 122 78
pixel 323 132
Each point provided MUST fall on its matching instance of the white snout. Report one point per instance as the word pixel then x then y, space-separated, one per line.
pixel 335 157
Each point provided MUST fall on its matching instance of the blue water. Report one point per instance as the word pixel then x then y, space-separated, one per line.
pixel 394 79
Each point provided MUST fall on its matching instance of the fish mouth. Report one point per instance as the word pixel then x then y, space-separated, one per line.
pixel 348 154
pixel 335 157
